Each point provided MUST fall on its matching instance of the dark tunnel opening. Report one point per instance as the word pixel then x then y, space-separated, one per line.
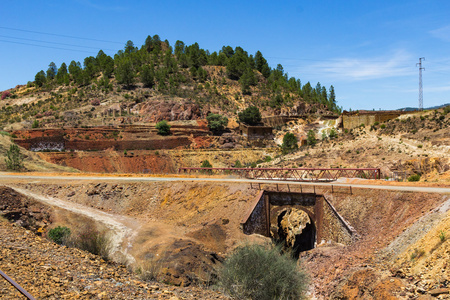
pixel 296 231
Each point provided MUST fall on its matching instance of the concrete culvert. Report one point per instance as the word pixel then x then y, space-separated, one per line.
pixel 296 230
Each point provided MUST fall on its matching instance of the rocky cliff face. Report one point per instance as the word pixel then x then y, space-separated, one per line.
pixel 171 110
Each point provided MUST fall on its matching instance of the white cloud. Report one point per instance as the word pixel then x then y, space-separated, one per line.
pixel 400 63
pixel 442 33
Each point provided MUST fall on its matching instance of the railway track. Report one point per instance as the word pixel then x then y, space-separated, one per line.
pixel 16 286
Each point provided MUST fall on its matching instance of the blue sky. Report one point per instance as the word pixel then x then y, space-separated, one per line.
pixel 367 50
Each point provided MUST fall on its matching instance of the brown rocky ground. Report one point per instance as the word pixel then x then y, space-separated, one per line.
pixel 357 271
pixel 50 271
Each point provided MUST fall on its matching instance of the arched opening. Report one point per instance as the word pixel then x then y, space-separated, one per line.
pixel 296 231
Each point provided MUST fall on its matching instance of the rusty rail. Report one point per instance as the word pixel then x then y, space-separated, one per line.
pixel 298 188
pixel 292 174
pixel 17 286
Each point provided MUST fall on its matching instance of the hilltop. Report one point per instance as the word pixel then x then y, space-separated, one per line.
pixel 156 82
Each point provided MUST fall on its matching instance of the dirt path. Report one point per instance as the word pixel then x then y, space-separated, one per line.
pixel 343 182
pixel 124 228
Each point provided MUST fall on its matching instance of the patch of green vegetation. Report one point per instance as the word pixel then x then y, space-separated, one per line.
pixel 14 158
pixel 59 234
pixel 415 177
pixel 163 127
pixel 258 272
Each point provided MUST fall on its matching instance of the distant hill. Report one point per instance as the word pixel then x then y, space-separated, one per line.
pixel 427 108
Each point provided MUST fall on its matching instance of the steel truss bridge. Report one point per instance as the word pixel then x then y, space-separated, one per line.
pixel 292 174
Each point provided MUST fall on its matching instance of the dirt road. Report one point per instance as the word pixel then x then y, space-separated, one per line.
pixel 4 177
pixel 123 228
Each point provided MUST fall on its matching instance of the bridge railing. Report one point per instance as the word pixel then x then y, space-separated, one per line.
pixel 292 174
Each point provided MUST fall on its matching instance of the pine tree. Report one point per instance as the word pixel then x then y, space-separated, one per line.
pixel 75 71
pixel 147 76
pixel 124 72
pixel 179 48
pixel 40 78
pixel 237 64
pixel 262 65
pixel 129 47
pixel 62 73
pixel 51 71
pixel 148 44
pixel 332 98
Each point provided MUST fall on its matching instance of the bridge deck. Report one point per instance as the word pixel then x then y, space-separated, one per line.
pixel 293 174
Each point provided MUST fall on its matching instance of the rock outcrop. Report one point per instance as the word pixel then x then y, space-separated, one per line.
pixel 169 110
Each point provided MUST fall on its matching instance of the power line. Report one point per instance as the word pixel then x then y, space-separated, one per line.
pixel 50 47
pixel 55 43
pixel 337 60
pixel 61 35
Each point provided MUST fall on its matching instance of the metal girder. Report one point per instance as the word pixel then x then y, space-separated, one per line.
pixel 293 174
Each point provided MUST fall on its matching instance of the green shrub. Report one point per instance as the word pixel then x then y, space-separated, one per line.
pixel 289 143
pixel 35 124
pixel 250 116
pixel 311 138
pixel 216 122
pixel 206 164
pixel 415 177
pixel 255 272
pixel 442 236
pixel 333 133
pixel 238 164
pixel 14 159
pixel 383 126
pixel 163 127
pixel 447 109
pixel 59 234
